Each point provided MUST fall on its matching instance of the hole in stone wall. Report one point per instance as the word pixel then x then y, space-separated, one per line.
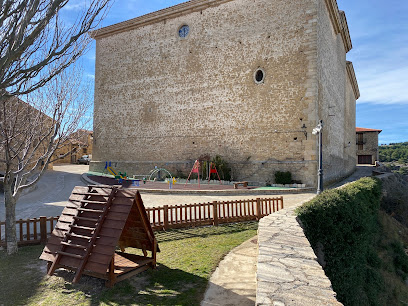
pixel 259 76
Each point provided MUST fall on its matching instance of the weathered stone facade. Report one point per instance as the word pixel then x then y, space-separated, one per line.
pixel 18 114
pixel 367 145
pixel 164 100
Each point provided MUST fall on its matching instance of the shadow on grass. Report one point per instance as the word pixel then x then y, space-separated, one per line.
pixel 185 233
pixel 20 275
pixel 180 278
pixel 162 286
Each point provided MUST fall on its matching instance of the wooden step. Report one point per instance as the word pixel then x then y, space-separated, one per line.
pixel 71 215
pixel 91 210
pixel 86 219
pixel 61 229
pixel 83 227
pixel 78 236
pixel 70 255
pixel 91 202
pixel 77 246
pixel 91 194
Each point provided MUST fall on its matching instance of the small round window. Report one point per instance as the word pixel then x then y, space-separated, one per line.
pixel 259 76
pixel 183 31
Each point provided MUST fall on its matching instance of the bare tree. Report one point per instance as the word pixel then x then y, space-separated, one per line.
pixel 32 130
pixel 33 36
pixel 35 48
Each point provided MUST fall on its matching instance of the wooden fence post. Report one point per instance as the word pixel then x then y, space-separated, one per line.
pixel 43 230
pixel 166 216
pixel 258 209
pixel 215 213
pixel 281 198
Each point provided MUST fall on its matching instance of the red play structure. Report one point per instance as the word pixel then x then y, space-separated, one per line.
pixel 213 169
pixel 196 169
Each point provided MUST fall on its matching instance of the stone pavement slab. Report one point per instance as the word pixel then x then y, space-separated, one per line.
pixel 225 287
pixel 234 280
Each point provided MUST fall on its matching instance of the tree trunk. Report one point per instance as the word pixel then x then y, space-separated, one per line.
pixel 10 203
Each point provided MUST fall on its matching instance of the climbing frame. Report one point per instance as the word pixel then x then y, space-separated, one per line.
pixel 98 220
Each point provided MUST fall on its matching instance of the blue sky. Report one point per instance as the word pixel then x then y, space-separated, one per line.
pixel 378 31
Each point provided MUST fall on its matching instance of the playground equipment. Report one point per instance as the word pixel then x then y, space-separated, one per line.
pixel 196 169
pixel 159 171
pixel 213 169
pixel 172 181
pixel 96 221
pixel 117 175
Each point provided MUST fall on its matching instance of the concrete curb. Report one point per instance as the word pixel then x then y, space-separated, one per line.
pixel 87 180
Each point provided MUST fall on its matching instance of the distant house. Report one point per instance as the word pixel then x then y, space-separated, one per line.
pixel 367 145
pixel 78 144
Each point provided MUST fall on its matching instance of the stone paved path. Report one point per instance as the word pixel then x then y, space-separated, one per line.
pixel 240 291
pixel 234 280
pixel 287 270
pixel 224 283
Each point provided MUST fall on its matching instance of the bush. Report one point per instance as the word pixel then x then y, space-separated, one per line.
pixel 283 177
pixel 345 222
pixel 223 168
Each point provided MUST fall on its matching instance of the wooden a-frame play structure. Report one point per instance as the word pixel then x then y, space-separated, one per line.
pixel 98 220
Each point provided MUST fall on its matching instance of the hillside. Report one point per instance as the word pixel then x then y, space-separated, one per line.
pixel 395 157
pixel 362 246
pixel 394 152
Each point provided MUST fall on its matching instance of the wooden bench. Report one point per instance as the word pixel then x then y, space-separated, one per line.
pixel 244 184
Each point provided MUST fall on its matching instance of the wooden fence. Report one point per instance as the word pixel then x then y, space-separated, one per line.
pixel 31 231
pixel 36 230
pixel 212 213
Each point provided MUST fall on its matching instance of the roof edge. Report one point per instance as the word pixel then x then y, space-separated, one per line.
pixel 360 129
pixel 157 16
pixel 334 14
pixel 339 22
pixel 352 75
pixel 345 32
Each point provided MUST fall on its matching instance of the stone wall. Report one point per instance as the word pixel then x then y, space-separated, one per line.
pixel 165 101
pixel 287 271
pixel 162 100
pixel 350 160
pixel 336 102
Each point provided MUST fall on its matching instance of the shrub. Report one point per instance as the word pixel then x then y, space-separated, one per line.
pixel 283 177
pixel 345 222
pixel 223 168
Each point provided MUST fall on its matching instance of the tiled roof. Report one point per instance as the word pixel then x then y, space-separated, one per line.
pixel 359 129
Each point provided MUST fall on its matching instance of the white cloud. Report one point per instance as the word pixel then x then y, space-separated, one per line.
pixel 75 5
pixel 384 87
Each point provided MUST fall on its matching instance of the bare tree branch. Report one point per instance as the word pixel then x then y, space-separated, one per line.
pixel 36 51
pixel 33 36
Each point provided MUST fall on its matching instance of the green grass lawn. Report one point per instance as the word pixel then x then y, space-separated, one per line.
pixel 185 263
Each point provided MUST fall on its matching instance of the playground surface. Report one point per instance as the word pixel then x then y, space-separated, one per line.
pixel 191 187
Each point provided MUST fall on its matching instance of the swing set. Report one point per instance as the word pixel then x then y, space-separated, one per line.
pixel 196 169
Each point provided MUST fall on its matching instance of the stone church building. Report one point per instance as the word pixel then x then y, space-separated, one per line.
pixel 246 80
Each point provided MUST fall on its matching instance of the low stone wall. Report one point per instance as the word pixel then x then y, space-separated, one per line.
pixel 287 271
